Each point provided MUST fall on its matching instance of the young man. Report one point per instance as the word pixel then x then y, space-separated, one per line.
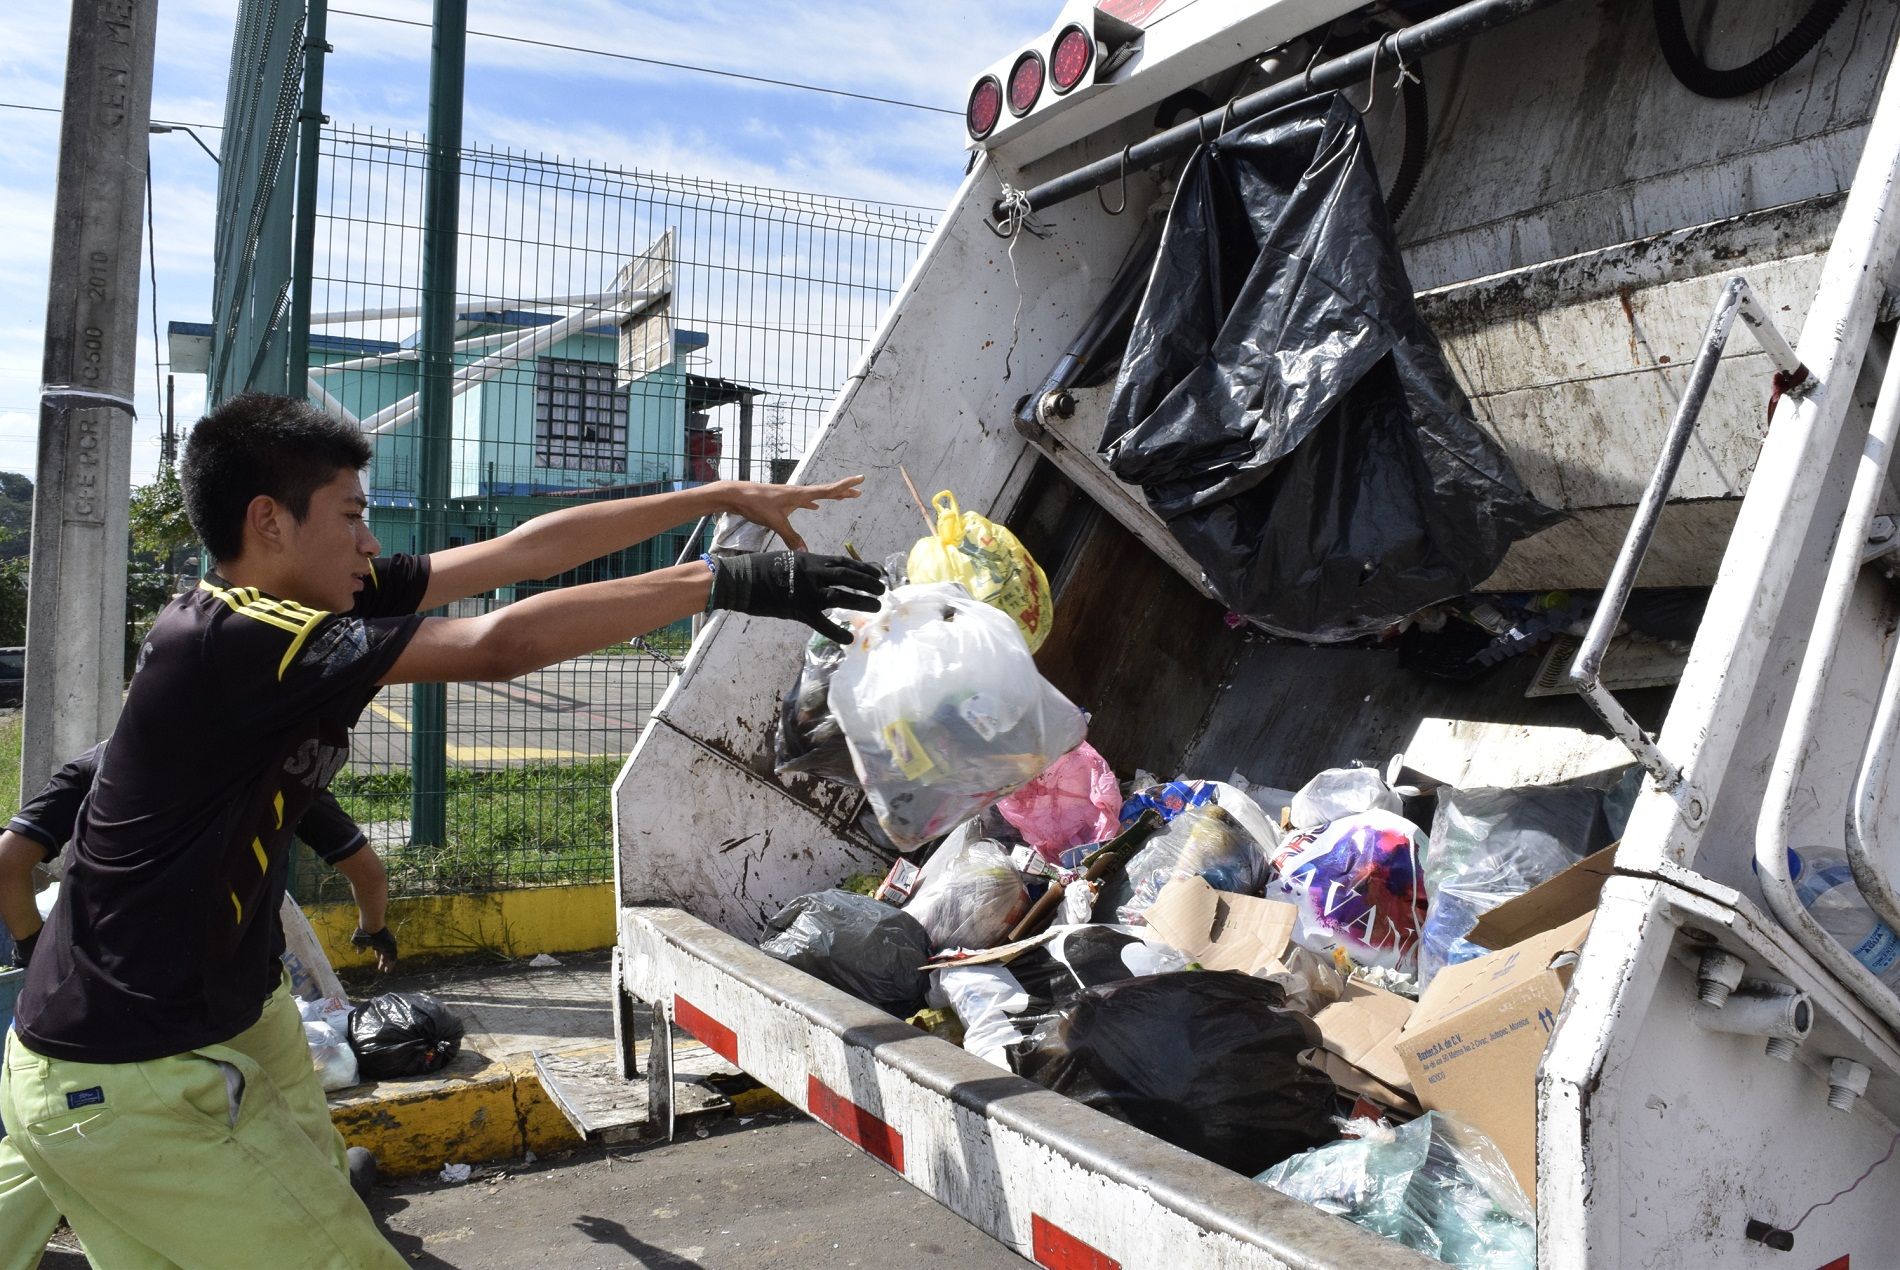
pixel 133 1084
pixel 37 834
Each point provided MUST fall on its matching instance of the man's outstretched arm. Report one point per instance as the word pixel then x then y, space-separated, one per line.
pixel 555 542
pixel 556 625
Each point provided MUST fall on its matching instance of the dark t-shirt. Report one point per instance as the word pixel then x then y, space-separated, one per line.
pixel 50 816
pixel 165 935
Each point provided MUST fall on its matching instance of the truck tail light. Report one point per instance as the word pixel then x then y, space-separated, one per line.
pixel 985 108
pixel 1070 58
pixel 1025 82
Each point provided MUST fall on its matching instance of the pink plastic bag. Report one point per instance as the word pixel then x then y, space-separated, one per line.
pixel 1075 800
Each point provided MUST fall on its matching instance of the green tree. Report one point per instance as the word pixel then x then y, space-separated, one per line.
pixel 16 516
pixel 159 525
pixel 13 601
pixel 161 535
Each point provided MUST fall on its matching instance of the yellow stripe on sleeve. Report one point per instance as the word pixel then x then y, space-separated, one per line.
pixel 239 907
pixel 263 861
pixel 277 802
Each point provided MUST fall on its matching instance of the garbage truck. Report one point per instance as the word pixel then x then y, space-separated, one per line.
pixel 1655 243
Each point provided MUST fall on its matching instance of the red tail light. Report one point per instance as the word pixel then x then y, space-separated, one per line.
pixel 1025 82
pixel 985 108
pixel 1069 60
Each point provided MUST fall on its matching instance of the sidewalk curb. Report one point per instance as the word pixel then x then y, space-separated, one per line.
pixel 488 1111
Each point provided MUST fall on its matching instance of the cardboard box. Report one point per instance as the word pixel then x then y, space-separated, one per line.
pixel 1473 1044
pixel 1361 1034
pixel 1564 898
pixel 1220 930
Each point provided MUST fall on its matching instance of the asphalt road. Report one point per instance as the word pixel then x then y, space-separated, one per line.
pixel 590 707
pixel 781 1193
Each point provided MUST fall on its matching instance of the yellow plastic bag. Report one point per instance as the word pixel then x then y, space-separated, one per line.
pixel 990 563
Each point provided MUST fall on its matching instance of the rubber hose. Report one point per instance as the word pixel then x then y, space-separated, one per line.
pixel 1418 139
pixel 1705 81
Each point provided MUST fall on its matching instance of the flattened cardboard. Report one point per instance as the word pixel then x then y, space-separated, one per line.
pixel 1564 898
pixel 1473 1044
pixel 1002 954
pixel 1220 930
pixel 1360 1032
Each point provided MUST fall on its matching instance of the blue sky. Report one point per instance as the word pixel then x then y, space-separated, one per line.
pixel 542 100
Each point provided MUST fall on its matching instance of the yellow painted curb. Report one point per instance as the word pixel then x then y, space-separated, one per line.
pixel 478 1112
pixel 518 923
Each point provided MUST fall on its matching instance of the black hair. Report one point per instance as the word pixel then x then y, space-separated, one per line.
pixel 257 443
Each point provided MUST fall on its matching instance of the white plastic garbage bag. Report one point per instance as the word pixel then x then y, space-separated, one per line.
pixel 326 1028
pixel 1342 791
pixel 987 999
pixel 973 900
pixel 944 711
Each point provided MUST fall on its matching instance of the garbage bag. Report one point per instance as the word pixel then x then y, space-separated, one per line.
pixel 973 900
pixel 1207 1060
pixel 990 563
pixel 871 950
pixel 403 1034
pixel 809 740
pixel 1004 1005
pixel 1207 842
pixel 987 999
pixel 326 1029
pixel 1075 801
pixel 1491 844
pixel 1435 1185
pixel 1284 407
pixel 944 711
pixel 1342 791
pixel 1359 888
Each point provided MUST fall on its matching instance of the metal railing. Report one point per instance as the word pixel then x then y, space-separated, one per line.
pixel 1586 673
pixel 1841 326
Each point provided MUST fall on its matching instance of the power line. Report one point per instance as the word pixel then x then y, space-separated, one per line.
pixel 654 61
pixel 54 110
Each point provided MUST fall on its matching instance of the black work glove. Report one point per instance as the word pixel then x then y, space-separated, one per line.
pixel 23 949
pixel 383 942
pixel 797 585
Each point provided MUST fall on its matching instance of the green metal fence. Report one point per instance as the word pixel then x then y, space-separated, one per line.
pixel 617 333
pixel 256 188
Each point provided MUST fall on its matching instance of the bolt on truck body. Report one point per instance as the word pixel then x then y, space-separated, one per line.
pixel 1576 220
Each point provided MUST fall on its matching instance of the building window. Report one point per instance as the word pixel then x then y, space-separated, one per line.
pixel 580 416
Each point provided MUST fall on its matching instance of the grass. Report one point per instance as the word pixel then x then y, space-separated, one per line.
pixel 11 727
pixel 529 825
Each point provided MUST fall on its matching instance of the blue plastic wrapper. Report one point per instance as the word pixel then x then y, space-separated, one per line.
pixel 1435 1185
pixel 1170 800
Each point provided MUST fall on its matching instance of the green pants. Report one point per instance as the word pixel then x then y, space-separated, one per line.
pixel 220 1157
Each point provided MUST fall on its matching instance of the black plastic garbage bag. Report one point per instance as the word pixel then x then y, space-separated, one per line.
pixel 1284 407
pixel 1207 1060
pixel 403 1034
pixel 869 949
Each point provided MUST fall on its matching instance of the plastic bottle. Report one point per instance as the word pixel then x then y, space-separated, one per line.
pixel 1825 882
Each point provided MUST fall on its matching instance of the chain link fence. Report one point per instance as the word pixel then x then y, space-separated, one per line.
pixel 618 333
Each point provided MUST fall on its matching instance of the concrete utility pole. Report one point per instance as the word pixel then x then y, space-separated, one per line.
pixel 75 624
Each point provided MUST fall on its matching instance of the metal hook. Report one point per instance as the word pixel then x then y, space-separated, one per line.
pixel 1103 200
pixel 1319 46
pixel 1372 76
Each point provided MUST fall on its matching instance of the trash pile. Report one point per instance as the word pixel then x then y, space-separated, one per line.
pixel 1343 990
pixel 395 1034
